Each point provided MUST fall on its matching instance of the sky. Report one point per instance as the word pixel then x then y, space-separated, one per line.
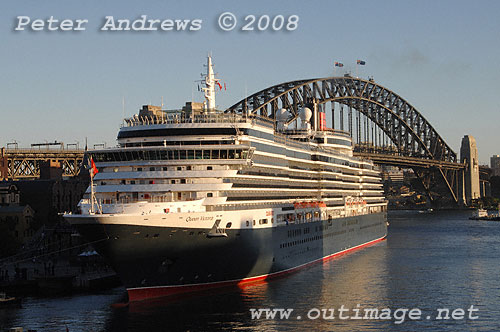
pixel 441 56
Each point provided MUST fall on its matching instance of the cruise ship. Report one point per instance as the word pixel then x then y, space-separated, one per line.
pixel 197 198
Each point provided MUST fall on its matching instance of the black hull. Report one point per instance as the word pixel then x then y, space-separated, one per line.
pixel 158 261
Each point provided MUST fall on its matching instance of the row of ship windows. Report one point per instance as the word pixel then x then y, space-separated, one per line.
pixel 298 232
pixel 177 143
pixel 161 181
pixel 271 137
pixel 161 168
pixel 306 166
pixel 168 155
pixel 308 156
pixel 310 239
pixel 338 176
pixel 165 168
pixel 261 222
pixel 299 217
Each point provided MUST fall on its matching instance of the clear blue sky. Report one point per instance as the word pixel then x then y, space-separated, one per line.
pixel 441 56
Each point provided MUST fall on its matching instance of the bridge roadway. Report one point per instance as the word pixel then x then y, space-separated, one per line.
pixel 18 164
pixel 408 162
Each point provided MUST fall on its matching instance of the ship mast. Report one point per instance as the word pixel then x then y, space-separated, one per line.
pixel 209 88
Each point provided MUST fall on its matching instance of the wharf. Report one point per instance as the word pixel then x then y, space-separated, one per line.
pixel 60 278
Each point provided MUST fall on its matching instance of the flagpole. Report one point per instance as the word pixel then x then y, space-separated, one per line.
pixel 91 190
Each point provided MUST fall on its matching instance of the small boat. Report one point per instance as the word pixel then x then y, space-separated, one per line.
pixel 479 214
pixel 9 302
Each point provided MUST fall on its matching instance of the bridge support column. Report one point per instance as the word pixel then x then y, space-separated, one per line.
pixel 470 179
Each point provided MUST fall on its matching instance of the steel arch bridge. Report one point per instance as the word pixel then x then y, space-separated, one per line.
pixel 385 127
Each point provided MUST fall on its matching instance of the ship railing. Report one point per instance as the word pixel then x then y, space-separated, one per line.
pixel 180 118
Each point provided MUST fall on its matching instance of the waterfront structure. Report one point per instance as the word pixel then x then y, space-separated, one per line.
pixel 9 194
pixel 202 198
pixel 469 156
pixel 17 221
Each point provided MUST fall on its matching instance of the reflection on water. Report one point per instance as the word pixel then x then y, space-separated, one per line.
pixel 429 261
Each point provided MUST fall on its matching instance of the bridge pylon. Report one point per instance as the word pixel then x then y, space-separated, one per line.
pixel 469 181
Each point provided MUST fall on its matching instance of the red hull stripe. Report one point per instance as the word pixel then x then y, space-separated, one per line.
pixel 140 294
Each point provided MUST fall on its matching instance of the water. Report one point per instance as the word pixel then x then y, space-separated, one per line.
pixel 429 261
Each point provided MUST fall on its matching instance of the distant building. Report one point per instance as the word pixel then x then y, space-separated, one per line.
pixel 495 165
pixel 18 220
pixel 9 194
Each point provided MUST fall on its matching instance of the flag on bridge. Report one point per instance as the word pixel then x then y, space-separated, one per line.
pixel 361 62
pixel 339 64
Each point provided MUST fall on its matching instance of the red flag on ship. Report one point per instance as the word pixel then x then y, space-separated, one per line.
pixel 94 169
pixel 224 86
pixel 220 86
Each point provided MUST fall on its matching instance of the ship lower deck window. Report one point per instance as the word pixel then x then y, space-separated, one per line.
pixel 209 168
pixel 169 154
pixel 229 224
pixel 210 195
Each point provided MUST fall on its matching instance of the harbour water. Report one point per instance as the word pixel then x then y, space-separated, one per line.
pixel 430 261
